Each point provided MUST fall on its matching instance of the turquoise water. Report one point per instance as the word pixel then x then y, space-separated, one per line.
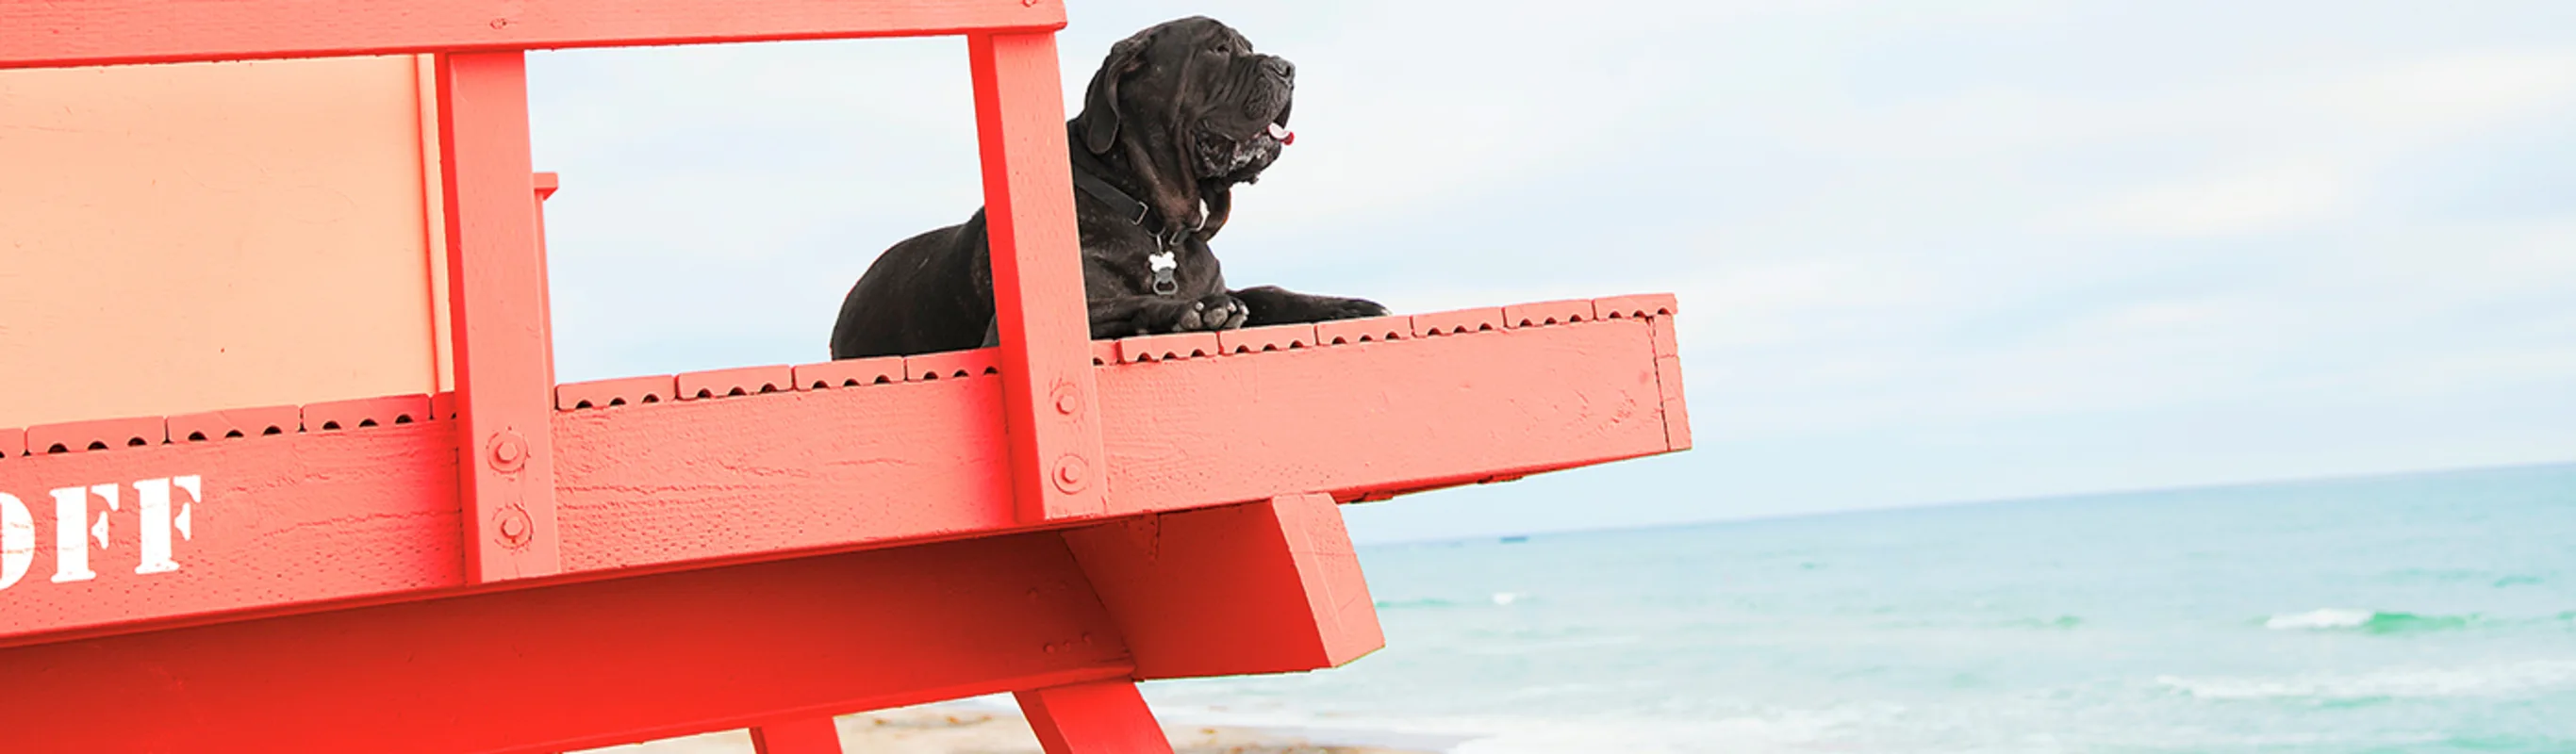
pixel 2428 613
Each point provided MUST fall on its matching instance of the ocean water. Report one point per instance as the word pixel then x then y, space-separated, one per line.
pixel 2432 613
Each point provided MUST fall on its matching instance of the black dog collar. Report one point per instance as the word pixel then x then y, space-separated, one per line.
pixel 1163 264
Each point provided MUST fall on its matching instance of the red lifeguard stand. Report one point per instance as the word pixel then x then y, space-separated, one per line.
pixel 515 565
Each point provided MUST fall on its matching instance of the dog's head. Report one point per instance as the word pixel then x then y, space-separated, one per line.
pixel 1192 110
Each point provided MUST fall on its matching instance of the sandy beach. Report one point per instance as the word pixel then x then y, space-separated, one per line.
pixel 969 729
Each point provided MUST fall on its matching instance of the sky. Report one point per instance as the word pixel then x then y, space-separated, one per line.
pixel 1925 252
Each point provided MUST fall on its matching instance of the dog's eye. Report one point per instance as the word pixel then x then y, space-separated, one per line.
pixel 1221 49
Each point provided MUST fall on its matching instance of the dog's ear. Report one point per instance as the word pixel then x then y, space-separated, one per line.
pixel 1100 103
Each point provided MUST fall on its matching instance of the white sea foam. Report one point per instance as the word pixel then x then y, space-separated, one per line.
pixel 2328 618
pixel 2496 680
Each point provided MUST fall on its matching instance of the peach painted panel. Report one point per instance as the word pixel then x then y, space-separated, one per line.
pixel 178 238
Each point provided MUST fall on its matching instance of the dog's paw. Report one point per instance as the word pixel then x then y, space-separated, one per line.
pixel 1355 308
pixel 1216 312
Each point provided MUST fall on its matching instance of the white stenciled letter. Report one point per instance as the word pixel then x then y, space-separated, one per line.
pixel 196 494
pixel 71 543
pixel 17 539
pixel 152 508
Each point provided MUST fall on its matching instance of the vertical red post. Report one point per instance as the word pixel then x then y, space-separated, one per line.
pixel 496 289
pixel 1048 400
pixel 1100 717
pixel 804 735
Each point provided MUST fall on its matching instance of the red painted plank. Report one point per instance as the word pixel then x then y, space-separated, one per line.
pixel 736 382
pixel 1263 587
pixel 496 300
pixel 1104 352
pixel 1462 321
pixel 236 423
pixel 574 666
pixel 101 32
pixel 802 735
pixel 360 413
pixel 881 370
pixel 1434 409
pixel 442 405
pixel 811 469
pixel 1100 717
pixel 1049 398
pixel 618 392
pixel 98 434
pixel 1272 338
pixel 1172 347
pixel 1364 330
pixel 953 365
pixel 1547 313
pixel 1636 307
pixel 296 519
pixel 13 443
pixel 1668 375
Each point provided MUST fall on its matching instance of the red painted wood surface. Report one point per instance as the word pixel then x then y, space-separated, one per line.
pixel 802 735
pixel 1261 587
pixel 503 343
pixel 736 382
pixel 617 392
pixel 361 413
pixel 293 521
pixel 1048 395
pixel 1272 338
pixel 240 423
pixel 573 666
pixel 881 370
pixel 1099 717
pixel 102 32
pixel 97 434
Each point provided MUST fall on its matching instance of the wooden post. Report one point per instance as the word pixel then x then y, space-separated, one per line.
pixel 1048 397
pixel 497 299
pixel 803 735
pixel 1099 717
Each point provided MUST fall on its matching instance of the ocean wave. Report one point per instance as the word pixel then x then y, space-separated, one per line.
pixel 2367 621
pixel 1497 599
pixel 1415 604
pixel 2499 680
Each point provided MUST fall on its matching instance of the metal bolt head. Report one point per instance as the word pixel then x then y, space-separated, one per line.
pixel 1071 474
pixel 513 526
pixel 509 451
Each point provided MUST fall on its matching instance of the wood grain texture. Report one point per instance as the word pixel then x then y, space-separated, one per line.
pixel 649 485
pixel 501 334
pixel 1099 717
pixel 1263 587
pixel 102 32
pixel 1049 397
pixel 573 666
pixel 282 521
pixel 1384 415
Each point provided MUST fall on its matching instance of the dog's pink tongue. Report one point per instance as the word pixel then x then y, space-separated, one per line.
pixel 1285 136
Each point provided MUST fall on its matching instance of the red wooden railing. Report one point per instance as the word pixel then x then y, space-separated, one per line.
pixel 524 566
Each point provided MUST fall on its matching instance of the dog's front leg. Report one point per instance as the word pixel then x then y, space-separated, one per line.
pixel 1123 316
pixel 1272 305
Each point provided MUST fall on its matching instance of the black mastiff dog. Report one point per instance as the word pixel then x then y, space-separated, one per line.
pixel 1177 115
